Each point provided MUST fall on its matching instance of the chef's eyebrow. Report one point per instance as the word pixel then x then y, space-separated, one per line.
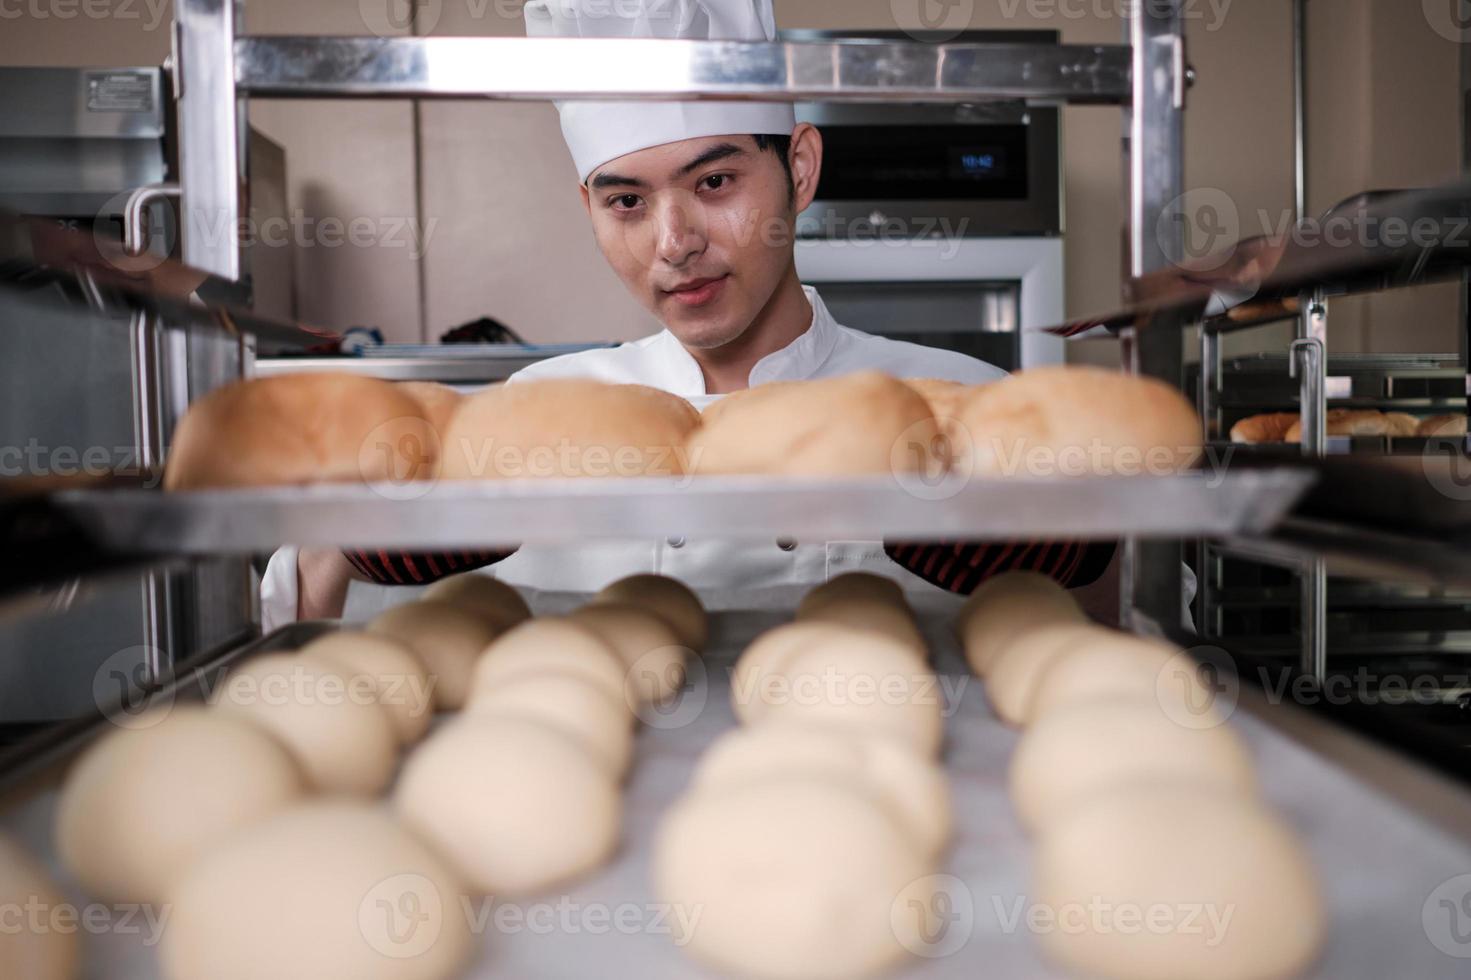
pixel 720 151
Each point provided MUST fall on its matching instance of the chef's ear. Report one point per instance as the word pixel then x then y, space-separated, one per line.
pixel 586 198
pixel 806 160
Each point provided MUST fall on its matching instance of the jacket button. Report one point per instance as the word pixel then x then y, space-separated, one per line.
pixel 676 542
pixel 786 544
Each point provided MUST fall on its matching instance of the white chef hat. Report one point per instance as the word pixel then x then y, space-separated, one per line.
pixel 597 132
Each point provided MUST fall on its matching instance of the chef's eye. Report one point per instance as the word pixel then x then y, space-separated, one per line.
pixel 716 181
pixel 624 202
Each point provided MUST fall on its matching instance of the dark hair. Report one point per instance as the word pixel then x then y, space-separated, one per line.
pixel 782 147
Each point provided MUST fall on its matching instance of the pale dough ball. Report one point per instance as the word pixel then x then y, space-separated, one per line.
pixel 33 953
pixel 914 787
pixel 328 719
pixel 1202 856
pixel 447 638
pixel 1007 605
pixel 1122 665
pixel 876 688
pixel 854 585
pixel 569 703
pixel 325 889
pixel 893 621
pixel 400 679
pixel 549 643
pixel 759 675
pixel 795 877
pixel 142 803
pixel 514 804
pixel 652 655
pixel 1011 680
pixel 483 595
pixel 665 597
pixel 1070 756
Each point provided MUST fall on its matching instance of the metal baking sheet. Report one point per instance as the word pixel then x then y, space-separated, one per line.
pixel 511 512
pixel 1384 870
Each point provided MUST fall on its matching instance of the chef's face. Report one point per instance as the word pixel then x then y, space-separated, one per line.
pixel 700 231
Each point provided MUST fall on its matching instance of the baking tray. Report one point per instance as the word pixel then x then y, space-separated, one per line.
pixel 1382 865
pixel 510 512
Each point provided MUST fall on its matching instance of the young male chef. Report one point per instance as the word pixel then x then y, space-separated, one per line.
pixel 693 205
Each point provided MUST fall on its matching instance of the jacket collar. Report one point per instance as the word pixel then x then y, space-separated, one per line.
pixel 797 361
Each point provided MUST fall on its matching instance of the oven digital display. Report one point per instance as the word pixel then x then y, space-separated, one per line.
pixel 924 163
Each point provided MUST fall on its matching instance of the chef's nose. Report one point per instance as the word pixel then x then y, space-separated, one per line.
pixel 681 230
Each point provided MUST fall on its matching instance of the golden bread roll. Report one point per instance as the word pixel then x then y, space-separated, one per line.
pixel 438 401
pixel 858 423
pixel 1271 427
pixel 1400 423
pixel 301 428
pixel 1348 422
pixel 1442 425
pixel 1071 421
pixel 568 428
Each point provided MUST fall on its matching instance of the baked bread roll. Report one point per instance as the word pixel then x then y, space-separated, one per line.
pixel 1400 424
pixel 30 949
pixel 438 401
pixel 142 803
pixel 1237 890
pixel 1442 425
pixel 796 878
pixel 855 424
pixel 1079 421
pixel 943 397
pixel 568 428
pixel 446 637
pixel 1070 756
pixel 327 889
pixel 1271 427
pixel 514 805
pixel 400 680
pixel 1004 607
pixel 672 600
pixel 1348 422
pixel 484 595
pixel 299 429
pixel 327 717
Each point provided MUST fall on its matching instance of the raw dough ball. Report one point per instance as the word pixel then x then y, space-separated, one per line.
pixel 759 675
pixel 142 803
pixel 1121 665
pixel 878 688
pixel 326 717
pixel 911 785
pixel 1202 856
pixel 482 595
pixel 794 877
pixel 1011 680
pixel 886 619
pixel 569 703
pixel 568 428
pixel 665 597
pixel 516 805
pixel 1070 756
pixel 1007 605
pixel 1079 422
pixel 325 889
pixel 400 679
pixel 447 638
pixel 860 423
pixel 27 952
pixel 550 643
pixel 652 655
pixel 854 585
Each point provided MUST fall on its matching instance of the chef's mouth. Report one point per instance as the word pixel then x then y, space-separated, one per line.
pixel 699 291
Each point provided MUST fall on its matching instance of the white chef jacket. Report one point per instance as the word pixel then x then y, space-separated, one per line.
pixel 827 349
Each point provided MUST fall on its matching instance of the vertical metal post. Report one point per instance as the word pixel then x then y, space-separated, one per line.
pixel 1308 361
pixel 1154 171
pixel 144 342
pixel 1300 106
pixel 211 120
